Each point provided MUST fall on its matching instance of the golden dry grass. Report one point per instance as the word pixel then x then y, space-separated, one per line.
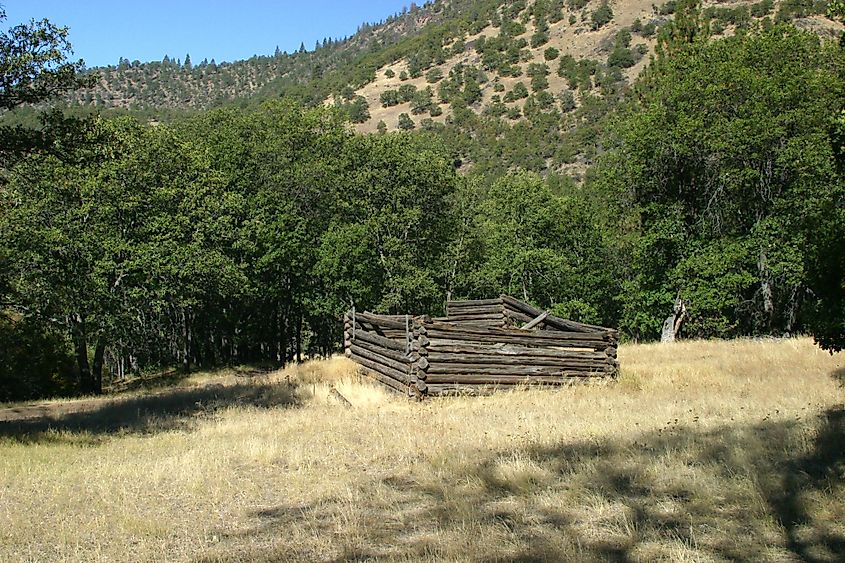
pixel 703 451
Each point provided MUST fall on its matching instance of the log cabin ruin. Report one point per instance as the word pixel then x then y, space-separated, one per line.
pixel 480 345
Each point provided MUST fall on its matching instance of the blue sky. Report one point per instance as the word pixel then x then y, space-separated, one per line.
pixel 103 31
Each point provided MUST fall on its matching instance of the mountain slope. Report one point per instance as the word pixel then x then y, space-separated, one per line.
pixel 483 36
pixel 523 83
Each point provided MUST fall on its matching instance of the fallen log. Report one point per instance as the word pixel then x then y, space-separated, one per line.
pixel 381 331
pixel 535 321
pixel 335 394
pixel 557 322
pixel 382 321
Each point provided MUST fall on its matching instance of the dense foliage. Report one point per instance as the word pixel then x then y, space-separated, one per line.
pixel 728 168
pixel 242 234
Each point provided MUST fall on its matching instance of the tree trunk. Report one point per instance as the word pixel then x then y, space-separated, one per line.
pixel 97 373
pixel 766 290
pixel 673 323
pixel 186 344
pixel 299 338
pixel 80 345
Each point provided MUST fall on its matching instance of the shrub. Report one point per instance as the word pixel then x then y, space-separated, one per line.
pixel 518 92
pixel 601 16
pixel 538 39
pixel 567 101
pixel 389 98
pixel 434 75
pixel 405 122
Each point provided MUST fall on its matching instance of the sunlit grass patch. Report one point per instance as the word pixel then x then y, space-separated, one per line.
pixel 707 451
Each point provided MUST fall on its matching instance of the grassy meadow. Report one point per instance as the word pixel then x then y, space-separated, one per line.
pixel 701 451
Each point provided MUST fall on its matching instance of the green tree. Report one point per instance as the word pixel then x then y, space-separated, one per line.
pixel 405 122
pixel 384 247
pixel 112 232
pixel 727 158
pixel 34 68
pixel 545 249
pixel 601 15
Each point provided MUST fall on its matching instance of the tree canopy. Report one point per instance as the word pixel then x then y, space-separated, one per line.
pixel 728 159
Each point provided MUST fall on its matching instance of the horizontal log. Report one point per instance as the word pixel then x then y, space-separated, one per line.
pixel 450 389
pixel 376 356
pixel 496 380
pixel 393 355
pixel 460 347
pixel 478 324
pixel 477 316
pixel 380 340
pixel 423 363
pixel 399 376
pixel 375 329
pixel 458 389
pixel 383 321
pixel 494 310
pixel 438 329
pixel 497 308
pixel 474 302
pixel 526 340
pixel 391 383
pixel 475 369
pixel 501 360
pixel 421 386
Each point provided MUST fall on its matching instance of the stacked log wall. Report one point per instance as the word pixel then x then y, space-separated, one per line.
pixel 380 344
pixel 481 312
pixel 477 348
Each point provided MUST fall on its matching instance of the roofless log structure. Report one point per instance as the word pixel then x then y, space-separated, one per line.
pixel 478 346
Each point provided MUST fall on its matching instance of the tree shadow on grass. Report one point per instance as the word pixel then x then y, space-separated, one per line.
pixel 735 493
pixel 165 410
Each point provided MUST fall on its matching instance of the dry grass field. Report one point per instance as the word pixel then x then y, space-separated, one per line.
pixel 702 451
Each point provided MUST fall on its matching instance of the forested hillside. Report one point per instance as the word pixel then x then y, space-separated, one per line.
pixel 505 83
pixel 711 181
